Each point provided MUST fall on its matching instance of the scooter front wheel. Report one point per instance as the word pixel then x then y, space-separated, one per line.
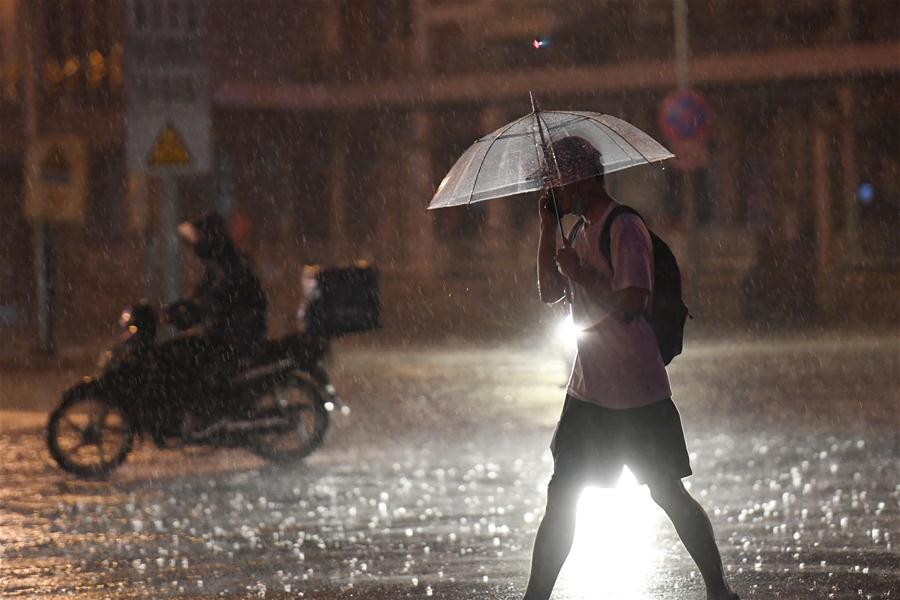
pixel 89 436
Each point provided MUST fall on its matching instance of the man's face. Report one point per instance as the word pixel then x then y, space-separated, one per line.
pixel 565 199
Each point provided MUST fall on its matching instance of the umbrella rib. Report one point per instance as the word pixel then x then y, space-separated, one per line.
pixel 548 127
pixel 486 152
pixel 468 164
pixel 549 143
pixel 616 142
pixel 589 118
pixel 537 152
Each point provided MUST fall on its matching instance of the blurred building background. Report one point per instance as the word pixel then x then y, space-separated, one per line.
pixel 333 122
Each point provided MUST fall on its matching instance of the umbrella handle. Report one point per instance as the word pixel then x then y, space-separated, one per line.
pixel 562 233
pixel 566 242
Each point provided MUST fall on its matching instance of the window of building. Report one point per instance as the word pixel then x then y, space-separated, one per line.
pixel 878 189
pixel 73 29
pixel 100 33
pixel 54 29
pixel 455 129
pixel 140 14
pixel 700 184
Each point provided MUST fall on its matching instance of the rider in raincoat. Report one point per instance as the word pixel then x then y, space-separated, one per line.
pixel 222 322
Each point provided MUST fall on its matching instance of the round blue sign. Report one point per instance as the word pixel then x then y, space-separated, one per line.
pixel 685 116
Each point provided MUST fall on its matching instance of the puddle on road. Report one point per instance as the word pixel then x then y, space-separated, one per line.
pixel 430 486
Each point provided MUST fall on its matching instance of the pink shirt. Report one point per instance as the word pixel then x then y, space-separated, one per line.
pixel 618 365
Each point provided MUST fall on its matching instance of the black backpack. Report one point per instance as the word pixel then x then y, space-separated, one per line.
pixel 668 313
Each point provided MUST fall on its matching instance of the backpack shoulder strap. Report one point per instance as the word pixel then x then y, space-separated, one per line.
pixel 577 227
pixel 606 233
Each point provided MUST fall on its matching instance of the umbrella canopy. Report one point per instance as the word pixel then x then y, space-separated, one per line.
pixel 517 158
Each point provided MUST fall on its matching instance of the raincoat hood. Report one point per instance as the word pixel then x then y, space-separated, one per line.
pixel 209 238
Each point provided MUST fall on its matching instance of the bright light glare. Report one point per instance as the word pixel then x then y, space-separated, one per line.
pixel 616 548
pixel 567 333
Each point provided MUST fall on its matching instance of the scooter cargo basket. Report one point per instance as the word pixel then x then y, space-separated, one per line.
pixel 347 301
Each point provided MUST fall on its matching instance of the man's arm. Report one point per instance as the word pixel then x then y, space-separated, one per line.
pixel 624 304
pixel 551 284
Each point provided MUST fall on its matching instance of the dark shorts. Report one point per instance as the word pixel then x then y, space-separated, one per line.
pixel 593 443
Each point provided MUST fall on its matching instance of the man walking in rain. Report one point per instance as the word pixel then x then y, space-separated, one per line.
pixel 618 408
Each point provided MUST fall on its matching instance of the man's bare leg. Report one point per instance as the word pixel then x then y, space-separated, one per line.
pixel 696 533
pixel 553 540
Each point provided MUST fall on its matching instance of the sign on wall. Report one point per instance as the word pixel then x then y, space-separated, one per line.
pixel 167 87
pixel 686 120
pixel 56 179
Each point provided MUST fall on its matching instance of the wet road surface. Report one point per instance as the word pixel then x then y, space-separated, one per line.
pixel 434 485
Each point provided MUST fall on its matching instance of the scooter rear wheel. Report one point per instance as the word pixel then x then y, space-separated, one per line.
pixel 301 403
pixel 89 435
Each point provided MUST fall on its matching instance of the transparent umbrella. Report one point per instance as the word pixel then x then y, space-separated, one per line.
pixel 518 157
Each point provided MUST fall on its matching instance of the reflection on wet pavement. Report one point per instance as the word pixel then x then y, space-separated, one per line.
pixel 434 486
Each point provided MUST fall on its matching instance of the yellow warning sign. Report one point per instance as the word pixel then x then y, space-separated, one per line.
pixel 56 178
pixel 55 167
pixel 169 150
